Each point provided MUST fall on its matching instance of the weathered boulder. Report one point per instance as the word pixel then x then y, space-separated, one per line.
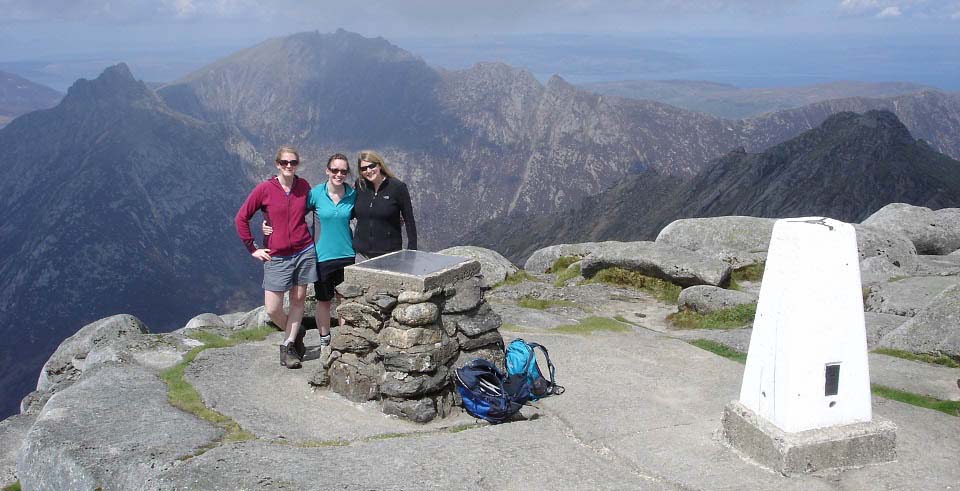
pixel 932 232
pixel 412 296
pixel 13 431
pixel 462 295
pixel 541 259
pixel 934 330
pixel 403 384
pixel 667 262
pixel 102 341
pixel 348 343
pixel 948 265
pixel 889 244
pixel 206 320
pixel 417 314
pixel 357 382
pixel 253 319
pixel 418 410
pixel 473 323
pixel 737 240
pixel 494 268
pixel 708 298
pixel 112 429
pixel 421 358
pixel 408 338
pixel 361 315
pixel 906 296
pixel 489 338
pixel 878 269
pixel 878 325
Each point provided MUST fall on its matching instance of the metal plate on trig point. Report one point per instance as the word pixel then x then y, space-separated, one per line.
pixel 411 270
pixel 417 263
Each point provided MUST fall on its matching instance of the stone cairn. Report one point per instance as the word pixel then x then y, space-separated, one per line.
pixel 405 335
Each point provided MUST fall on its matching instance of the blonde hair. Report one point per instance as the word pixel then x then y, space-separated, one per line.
pixel 373 158
pixel 284 150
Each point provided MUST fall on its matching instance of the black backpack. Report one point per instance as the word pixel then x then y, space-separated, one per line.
pixel 488 394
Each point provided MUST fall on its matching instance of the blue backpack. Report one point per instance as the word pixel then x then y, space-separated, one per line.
pixel 522 362
pixel 488 394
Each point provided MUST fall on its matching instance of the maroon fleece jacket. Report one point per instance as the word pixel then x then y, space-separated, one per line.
pixel 284 212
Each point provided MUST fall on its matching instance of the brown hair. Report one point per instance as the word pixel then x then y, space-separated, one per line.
pixel 373 158
pixel 338 156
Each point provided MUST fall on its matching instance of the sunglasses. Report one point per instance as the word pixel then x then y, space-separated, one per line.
pixel 364 168
pixel 291 163
pixel 342 172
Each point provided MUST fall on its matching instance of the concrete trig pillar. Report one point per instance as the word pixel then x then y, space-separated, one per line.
pixel 805 399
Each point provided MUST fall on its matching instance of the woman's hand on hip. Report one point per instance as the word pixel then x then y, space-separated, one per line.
pixel 262 254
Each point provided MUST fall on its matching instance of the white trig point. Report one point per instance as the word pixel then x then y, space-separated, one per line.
pixel 805 399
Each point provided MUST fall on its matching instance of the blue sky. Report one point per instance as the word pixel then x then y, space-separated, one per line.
pixel 60 40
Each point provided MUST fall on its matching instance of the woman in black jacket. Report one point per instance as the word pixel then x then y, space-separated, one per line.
pixel 383 204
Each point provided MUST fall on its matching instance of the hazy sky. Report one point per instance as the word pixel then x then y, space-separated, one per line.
pixel 165 37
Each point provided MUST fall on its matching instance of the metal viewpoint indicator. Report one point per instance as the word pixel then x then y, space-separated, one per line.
pixel 411 271
pixel 417 263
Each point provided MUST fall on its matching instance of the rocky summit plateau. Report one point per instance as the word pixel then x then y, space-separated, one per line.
pixel 631 327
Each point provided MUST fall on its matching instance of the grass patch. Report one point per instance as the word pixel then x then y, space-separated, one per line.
pixel 322 443
pixel 661 289
pixel 183 396
pixel 542 304
pixel 562 263
pixel 464 427
pixel 516 278
pixel 752 272
pixel 728 318
pixel 621 319
pixel 720 349
pixel 565 275
pixel 12 487
pixel 948 407
pixel 932 359
pixel 591 324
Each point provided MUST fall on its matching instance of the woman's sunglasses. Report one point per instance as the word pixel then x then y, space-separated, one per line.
pixel 291 163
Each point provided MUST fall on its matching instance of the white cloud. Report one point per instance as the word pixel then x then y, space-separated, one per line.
pixel 889 12
pixel 888 9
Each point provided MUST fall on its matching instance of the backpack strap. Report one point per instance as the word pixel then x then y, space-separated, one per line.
pixel 555 389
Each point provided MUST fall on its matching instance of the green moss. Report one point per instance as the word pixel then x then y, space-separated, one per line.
pixel 591 324
pixel 720 349
pixel 566 275
pixel 542 304
pixel 622 319
pixel 948 407
pixel 728 318
pixel 562 263
pixel 661 289
pixel 182 395
pixel 516 278
pixel 322 443
pixel 906 355
pixel 464 427
pixel 752 272
pixel 12 487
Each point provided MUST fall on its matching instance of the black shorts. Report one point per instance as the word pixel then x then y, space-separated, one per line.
pixel 330 274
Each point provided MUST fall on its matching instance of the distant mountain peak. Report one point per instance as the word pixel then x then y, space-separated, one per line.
pixel 115 84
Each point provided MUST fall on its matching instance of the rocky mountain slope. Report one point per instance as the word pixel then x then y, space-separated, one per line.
pixel 19 95
pixel 731 102
pixel 478 143
pixel 114 203
pixel 848 167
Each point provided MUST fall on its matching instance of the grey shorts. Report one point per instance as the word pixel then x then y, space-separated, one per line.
pixel 282 273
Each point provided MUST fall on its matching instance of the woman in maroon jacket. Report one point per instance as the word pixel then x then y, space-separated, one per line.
pixel 288 255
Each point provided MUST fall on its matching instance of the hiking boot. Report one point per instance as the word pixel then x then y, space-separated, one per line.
pixel 325 340
pixel 298 346
pixel 288 356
